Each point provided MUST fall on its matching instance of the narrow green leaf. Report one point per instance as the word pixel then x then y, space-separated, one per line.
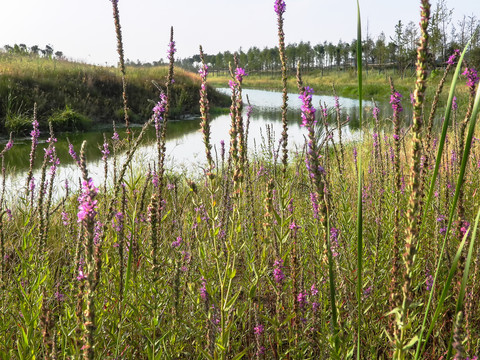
pixel 360 178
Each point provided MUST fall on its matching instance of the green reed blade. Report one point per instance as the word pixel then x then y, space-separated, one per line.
pixel 466 154
pixel 441 143
pixel 461 295
pixel 360 180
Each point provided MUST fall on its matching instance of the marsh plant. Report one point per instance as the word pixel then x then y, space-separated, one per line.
pixel 345 250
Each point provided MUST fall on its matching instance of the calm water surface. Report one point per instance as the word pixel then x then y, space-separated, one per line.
pixel 185 149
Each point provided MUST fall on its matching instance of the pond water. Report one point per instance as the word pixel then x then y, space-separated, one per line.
pixel 185 149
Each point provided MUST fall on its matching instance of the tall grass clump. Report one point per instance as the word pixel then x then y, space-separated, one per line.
pixel 255 257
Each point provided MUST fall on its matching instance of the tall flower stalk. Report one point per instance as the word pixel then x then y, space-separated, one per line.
pixel 280 8
pixel 412 232
pixel 87 212
pixel 121 63
pixel 317 175
pixel 204 113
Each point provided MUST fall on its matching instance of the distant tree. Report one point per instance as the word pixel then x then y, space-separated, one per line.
pixel 59 55
pixel 34 50
pixel 48 51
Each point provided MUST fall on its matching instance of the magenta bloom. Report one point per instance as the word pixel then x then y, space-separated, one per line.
pixel 88 206
pixel 171 50
pixel 395 100
pixel 240 74
pixel 203 72
pixel 177 242
pixel 35 133
pixel 105 151
pixel 308 111
pixel 279 7
pixel 258 330
pixel 302 299
pixel 472 77
pixel 452 58
pixel 81 276
pixel 278 274
pixel 9 145
pixel 159 110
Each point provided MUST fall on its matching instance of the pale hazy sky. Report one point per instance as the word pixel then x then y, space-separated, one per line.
pixel 84 29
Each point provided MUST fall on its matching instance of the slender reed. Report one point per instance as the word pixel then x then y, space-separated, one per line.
pixel 280 8
pixel 359 164
pixel 204 113
pixel 35 134
pixel 118 31
pixel 412 231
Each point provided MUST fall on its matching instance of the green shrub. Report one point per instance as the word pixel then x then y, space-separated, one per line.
pixel 18 123
pixel 69 120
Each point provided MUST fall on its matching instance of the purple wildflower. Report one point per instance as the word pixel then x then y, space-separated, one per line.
pixel 240 74
pixel 81 276
pixel 452 58
pixel 9 145
pixel 203 71
pixel 313 290
pixel 59 296
pixel 177 242
pixel 97 232
pixel 117 222
pixel 454 103
pixel 115 136
pixel 159 110
pixel 258 330
pixel 472 77
pixel 395 100
pixel 73 154
pixel 302 299
pixel 88 206
pixel 171 50
pixel 375 113
pixel 65 218
pixel 278 274
pixel 105 151
pixel 203 289
pixel 429 280
pixel 279 7
pixel 308 111
pixel 367 291
pixel 35 133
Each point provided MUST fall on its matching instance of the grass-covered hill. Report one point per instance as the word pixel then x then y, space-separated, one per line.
pixel 75 96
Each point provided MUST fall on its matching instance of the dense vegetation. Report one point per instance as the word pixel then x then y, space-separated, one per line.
pixel 74 96
pixel 359 250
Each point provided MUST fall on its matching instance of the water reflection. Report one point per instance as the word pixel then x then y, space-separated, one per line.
pixel 185 149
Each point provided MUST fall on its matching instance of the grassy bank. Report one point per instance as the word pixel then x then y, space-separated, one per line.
pixel 77 96
pixel 375 85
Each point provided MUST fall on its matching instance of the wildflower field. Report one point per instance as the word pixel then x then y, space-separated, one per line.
pixel 346 250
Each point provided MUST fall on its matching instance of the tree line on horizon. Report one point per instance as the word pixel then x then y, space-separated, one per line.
pixel 398 52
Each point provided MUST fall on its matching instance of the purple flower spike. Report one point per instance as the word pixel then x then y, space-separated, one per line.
pixel 171 50
pixel 472 77
pixel 105 151
pixel 452 58
pixel 88 206
pixel 308 111
pixel 9 145
pixel 278 274
pixel 395 100
pixel 258 330
pixel 279 7
pixel 240 74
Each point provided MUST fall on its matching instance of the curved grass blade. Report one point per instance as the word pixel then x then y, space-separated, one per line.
pixel 441 143
pixel 360 180
pixel 466 153
pixel 461 295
